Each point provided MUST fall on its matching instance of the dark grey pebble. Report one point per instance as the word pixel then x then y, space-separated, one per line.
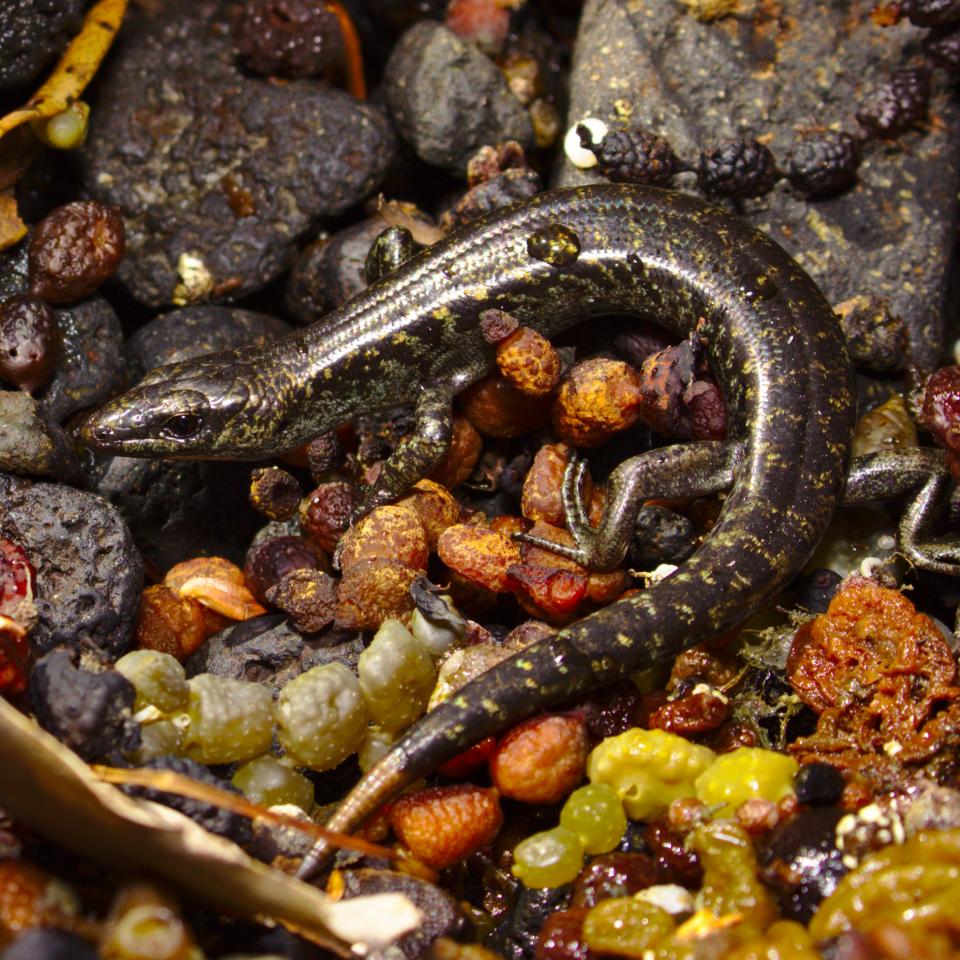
pixel 268 650
pixel 32 34
pixel 89 573
pixel 442 916
pixel 447 98
pixel 220 195
pixel 44 944
pixel 85 705
pixel 91 365
pixel 193 331
pixel 29 443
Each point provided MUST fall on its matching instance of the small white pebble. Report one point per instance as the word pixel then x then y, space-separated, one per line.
pixel 886 542
pixel 579 156
pixel 668 896
pixel 705 688
pixel 869 566
pixel 663 571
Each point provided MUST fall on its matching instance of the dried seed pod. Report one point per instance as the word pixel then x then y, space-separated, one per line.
pixel 632 155
pixel 943 47
pixel 74 249
pixel 737 168
pixel 823 163
pixel 274 493
pixel 896 105
pixel 29 342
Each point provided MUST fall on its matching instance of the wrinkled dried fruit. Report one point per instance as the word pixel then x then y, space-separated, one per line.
pixel 269 561
pixel 542 759
pixel 461 456
pixel 274 492
pixel 387 533
pixel 443 825
pixel 597 398
pixel 325 512
pixel 74 249
pixel 170 623
pixel 373 590
pixel 498 409
pixel 481 555
pixel 529 362
pixel 309 597
pixel 434 505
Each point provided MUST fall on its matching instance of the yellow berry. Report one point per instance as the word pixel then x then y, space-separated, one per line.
pixel 745 773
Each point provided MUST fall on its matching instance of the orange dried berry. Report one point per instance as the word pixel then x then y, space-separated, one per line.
pixel 596 399
pixel 498 409
pixel 542 759
pixel 604 588
pixel 443 825
pixel 540 499
pixel 529 362
pixel 388 533
pixel 548 592
pixel 435 506
pixel 462 455
pixel 480 554
pixel 372 591
pixel 508 525
pixel 30 898
pixel 170 623
pixel 215 583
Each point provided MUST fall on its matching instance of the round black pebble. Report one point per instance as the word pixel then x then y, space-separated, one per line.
pixel 49 945
pixel 818 784
pixel 89 572
pixel 87 710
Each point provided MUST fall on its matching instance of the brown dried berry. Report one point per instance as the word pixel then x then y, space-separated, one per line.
pixel 170 623
pixel 481 555
pixel 614 875
pixel 561 937
pixel 389 533
pixel 372 591
pixel 269 561
pixel 498 409
pixel 308 596
pixel 692 715
pixel 274 493
pixel 529 362
pixel 74 249
pixel 288 38
pixel 542 759
pixel 29 342
pixel 676 863
pixel 596 399
pixel 443 825
pixel 325 512
pixel 324 453
pixel 497 325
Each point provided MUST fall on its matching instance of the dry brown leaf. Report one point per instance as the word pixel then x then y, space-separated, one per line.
pixel 12 228
pixel 76 67
pixel 47 787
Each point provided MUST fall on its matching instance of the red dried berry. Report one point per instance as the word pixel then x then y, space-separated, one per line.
pixel 271 560
pixel 17 583
pixel 288 38
pixel 561 936
pixel 325 513
pixel 940 412
pixel 29 342
pixel 74 249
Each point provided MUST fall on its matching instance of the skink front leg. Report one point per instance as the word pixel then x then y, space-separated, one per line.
pixel 416 454
pixel 680 470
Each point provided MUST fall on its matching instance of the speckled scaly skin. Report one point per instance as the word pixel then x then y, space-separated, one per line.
pixel 773 343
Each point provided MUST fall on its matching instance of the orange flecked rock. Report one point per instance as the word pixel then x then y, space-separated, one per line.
pixel 542 759
pixel 216 583
pixel 596 399
pixel 498 409
pixel 436 507
pixel 170 623
pixel 529 362
pixel 388 533
pixel 443 825
pixel 480 554
pixel 372 591
pixel 462 455
pixel 882 678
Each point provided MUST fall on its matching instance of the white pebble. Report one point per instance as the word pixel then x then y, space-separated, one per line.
pixel 668 896
pixel 580 156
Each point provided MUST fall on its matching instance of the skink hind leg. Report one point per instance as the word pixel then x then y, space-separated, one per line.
pixel 923 472
pixel 680 470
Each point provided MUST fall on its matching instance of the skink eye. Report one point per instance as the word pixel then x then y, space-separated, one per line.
pixel 182 426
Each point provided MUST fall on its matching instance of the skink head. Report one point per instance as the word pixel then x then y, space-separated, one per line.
pixel 206 408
